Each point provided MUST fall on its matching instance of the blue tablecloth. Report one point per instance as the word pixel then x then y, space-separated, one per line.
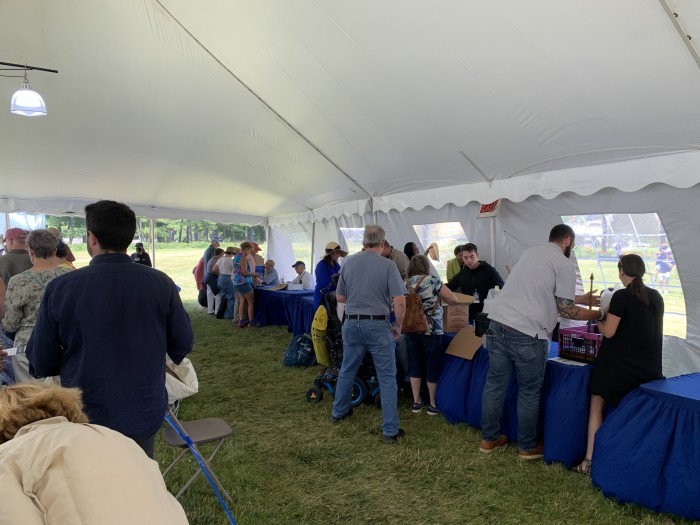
pixel 563 403
pixel 305 317
pixel 280 307
pixel 648 449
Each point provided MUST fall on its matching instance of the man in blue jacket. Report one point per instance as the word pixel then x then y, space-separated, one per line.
pixel 106 329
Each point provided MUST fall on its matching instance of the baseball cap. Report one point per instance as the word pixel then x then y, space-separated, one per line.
pixel 14 234
pixel 255 246
pixel 335 247
pixel 298 263
pixel 215 238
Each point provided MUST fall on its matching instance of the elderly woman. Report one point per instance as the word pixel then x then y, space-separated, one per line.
pixel 630 353
pixel 55 468
pixel 325 270
pixel 24 293
pixel 425 349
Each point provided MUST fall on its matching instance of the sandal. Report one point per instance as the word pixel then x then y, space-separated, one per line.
pixel 584 467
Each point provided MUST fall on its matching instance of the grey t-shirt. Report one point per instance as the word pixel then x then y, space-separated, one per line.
pixel 527 302
pixel 368 282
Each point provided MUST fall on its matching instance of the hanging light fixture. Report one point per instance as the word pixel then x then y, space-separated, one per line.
pixel 26 101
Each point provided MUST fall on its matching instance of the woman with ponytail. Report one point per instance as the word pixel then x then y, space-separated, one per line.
pixel 630 353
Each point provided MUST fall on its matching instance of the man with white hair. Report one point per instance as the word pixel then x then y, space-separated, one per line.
pixel 270 277
pixel 370 285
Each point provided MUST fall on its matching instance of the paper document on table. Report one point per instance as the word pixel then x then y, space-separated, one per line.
pixel 567 361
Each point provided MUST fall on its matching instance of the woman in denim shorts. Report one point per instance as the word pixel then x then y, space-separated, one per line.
pixel 243 273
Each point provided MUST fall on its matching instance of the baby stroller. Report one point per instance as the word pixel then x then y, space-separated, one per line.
pixel 365 387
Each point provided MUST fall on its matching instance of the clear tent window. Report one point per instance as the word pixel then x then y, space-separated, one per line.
pixel 447 235
pixel 601 240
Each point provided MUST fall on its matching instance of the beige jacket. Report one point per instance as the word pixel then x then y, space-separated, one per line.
pixel 59 473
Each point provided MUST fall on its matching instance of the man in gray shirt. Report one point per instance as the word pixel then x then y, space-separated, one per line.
pixel 370 285
pixel 540 288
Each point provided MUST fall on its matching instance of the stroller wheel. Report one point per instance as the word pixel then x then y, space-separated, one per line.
pixel 314 395
pixel 359 392
pixel 378 400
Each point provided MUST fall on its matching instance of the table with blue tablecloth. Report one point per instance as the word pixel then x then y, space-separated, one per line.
pixel 305 316
pixel 564 402
pixel 648 449
pixel 281 307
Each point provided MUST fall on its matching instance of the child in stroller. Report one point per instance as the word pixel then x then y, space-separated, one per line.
pixel 365 388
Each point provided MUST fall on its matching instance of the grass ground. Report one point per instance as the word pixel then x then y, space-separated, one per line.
pixel 286 464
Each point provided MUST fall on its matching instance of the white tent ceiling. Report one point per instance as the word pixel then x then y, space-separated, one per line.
pixel 238 111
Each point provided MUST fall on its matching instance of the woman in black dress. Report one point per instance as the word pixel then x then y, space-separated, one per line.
pixel 630 353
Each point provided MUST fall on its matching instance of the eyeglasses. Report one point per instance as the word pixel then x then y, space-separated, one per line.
pixel 230 253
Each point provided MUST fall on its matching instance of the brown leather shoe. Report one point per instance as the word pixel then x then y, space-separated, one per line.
pixel 535 453
pixel 489 446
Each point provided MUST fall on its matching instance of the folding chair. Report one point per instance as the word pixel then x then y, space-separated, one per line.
pixel 187 435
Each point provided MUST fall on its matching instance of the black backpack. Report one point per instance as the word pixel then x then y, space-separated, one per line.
pixel 300 351
pixel 202 297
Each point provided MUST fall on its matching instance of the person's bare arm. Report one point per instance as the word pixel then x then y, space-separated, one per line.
pixel 586 298
pixel 340 298
pixel 609 326
pixel 399 303
pixel 448 295
pixel 568 310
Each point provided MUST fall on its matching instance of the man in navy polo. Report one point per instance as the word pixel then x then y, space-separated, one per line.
pixel 106 329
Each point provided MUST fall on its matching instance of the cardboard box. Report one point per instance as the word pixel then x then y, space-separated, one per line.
pixel 464 298
pixel 455 317
pixel 465 344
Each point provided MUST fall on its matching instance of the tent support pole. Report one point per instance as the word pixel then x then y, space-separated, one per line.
pixel 313 243
pixel 673 17
pixel 493 241
pixel 151 234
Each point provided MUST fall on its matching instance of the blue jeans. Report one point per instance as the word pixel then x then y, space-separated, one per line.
pixel 226 286
pixel 511 350
pixel 360 336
